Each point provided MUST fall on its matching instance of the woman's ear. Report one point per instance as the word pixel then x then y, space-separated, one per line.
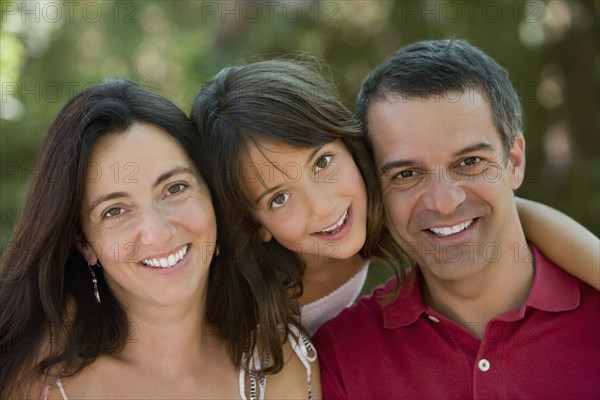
pixel 86 249
pixel 264 234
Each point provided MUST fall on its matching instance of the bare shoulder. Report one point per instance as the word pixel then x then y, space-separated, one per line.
pixel 292 381
pixel 31 383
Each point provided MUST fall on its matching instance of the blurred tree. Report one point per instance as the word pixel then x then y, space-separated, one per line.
pixel 52 49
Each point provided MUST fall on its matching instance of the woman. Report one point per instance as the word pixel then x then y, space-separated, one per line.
pixel 288 163
pixel 113 289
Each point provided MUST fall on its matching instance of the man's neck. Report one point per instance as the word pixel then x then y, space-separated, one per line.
pixel 474 301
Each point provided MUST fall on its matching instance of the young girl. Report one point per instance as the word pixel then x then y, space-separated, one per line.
pixel 289 164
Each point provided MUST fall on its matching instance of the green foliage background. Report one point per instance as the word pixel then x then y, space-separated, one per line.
pixel 52 49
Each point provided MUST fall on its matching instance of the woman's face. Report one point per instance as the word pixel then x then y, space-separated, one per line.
pixel 147 218
pixel 313 201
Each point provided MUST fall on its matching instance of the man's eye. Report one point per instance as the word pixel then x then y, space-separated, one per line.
pixel 279 200
pixel 405 174
pixel 323 162
pixel 470 161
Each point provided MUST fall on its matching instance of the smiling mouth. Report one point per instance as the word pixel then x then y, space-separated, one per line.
pixel 337 226
pixel 166 262
pixel 451 230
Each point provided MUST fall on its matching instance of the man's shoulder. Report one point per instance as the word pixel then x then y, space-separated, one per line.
pixel 558 275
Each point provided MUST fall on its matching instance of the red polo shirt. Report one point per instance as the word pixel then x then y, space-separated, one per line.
pixel 549 348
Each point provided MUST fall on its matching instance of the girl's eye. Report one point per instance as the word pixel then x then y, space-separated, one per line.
pixel 323 162
pixel 113 212
pixel 279 200
pixel 176 188
pixel 470 161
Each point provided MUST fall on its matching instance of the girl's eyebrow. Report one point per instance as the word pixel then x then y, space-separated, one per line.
pixel 310 157
pixel 266 192
pixel 314 153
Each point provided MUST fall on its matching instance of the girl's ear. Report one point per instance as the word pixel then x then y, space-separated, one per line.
pixel 264 234
pixel 86 250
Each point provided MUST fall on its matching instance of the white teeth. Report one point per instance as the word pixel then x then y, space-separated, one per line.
pixel 167 262
pixel 337 224
pixel 445 231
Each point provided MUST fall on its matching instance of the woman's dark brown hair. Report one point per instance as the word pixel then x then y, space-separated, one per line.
pixel 50 321
pixel 288 102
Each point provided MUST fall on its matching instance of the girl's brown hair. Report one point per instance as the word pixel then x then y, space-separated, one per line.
pixel 289 102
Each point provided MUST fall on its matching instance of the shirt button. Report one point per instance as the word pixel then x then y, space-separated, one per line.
pixel 484 365
pixel 434 319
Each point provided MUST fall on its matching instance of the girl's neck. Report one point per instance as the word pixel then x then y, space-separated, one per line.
pixel 323 277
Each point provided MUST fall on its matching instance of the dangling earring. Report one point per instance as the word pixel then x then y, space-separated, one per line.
pixel 217 251
pixel 95 282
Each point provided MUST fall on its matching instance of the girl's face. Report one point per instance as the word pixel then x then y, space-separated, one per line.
pixel 147 218
pixel 313 201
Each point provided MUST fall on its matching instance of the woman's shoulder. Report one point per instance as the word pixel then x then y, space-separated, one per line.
pixel 77 387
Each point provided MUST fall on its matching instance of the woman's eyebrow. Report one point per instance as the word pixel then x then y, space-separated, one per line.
pixel 106 197
pixel 168 174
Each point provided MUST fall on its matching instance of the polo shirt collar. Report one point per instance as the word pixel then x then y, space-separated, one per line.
pixel 408 306
pixel 553 290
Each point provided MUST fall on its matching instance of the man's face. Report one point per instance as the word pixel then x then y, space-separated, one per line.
pixel 447 183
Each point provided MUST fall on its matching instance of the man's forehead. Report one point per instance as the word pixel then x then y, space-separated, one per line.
pixel 414 127
pixel 456 108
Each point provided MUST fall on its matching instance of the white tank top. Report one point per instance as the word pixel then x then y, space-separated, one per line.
pixel 315 314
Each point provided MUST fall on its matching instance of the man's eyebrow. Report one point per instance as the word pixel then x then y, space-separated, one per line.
pixel 410 163
pixel 476 147
pixel 397 164
pixel 174 171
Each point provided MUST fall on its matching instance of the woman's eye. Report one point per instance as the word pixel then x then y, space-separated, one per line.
pixel 323 162
pixel 113 212
pixel 177 188
pixel 470 161
pixel 279 200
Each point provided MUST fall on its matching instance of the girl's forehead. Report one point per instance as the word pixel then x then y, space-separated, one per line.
pixel 279 148
pixel 267 156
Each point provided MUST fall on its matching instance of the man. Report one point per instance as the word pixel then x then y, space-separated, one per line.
pixel 484 314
